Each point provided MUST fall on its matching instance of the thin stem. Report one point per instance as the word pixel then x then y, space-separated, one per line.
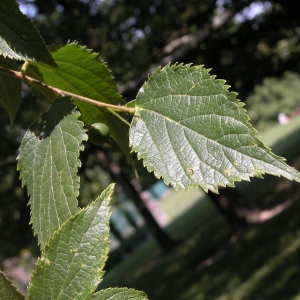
pixel 119 117
pixel 65 93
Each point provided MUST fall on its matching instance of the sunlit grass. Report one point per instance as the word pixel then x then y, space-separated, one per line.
pixel 263 264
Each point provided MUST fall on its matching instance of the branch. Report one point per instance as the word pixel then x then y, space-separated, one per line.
pixel 65 93
pixel 179 47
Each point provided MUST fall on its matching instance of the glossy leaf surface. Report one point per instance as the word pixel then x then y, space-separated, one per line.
pixel 19 38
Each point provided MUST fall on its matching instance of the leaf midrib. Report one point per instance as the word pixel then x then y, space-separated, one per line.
pixel 221 145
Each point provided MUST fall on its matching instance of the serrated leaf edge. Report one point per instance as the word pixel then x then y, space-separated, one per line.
pixel 231 96
pixel 105 196
pixel 84 137
pixel 117 289
pixel 19 56
pixel 95 56
pixel 12 285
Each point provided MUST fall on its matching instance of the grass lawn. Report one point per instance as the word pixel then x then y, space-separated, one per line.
pixel 262 264
pixel 200 223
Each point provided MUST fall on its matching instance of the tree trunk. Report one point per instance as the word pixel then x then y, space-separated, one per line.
pixel 117 175
pixel 131 219
pixel 120 238
pixel 230 204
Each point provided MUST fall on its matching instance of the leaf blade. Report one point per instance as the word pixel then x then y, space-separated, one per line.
pixel 82 72
pixel 10 88
pixel 7 290
pixel 72 263
pixel 209 141
pixel 79 71
pixel 119 129
pixel 119 294
pixel 49 167
pixel 19 38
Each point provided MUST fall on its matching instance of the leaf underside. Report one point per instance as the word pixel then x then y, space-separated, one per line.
pixel 119 294
pixel 19 38
pixel 71 265
pixel 190 130
pixel 48 161
pixel 10 89
pixel 7 290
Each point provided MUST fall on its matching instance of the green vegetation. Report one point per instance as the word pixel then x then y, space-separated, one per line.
pixel 98 134
pixel 166 116
pixel 263 264
pixel 272 97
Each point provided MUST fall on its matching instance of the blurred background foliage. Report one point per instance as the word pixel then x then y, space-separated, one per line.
pixel 254 45
pixel 272 97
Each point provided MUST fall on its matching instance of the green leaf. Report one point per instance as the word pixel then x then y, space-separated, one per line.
pixel 71 265
pixel 119 294
pixel 48 161
pixel 19 38
pixel 191 130
pixel 131 104
pixel 119 128
pixel 79 71
pixel 82 72
pixel 7 290
pixel 10 89
pixel 40 92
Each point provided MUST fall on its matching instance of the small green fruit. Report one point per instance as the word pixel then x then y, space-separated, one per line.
pixel 98 134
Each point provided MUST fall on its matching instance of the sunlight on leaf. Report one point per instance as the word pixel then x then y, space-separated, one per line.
pixel 191 130
pixel 119 294
pixel 73 260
